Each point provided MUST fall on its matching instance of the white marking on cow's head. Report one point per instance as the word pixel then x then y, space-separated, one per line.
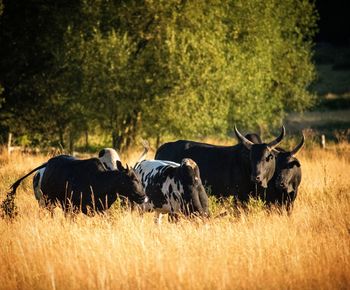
pixel 189 162
pixel 109 157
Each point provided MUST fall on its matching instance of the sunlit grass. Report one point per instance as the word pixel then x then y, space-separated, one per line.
pixel 122 250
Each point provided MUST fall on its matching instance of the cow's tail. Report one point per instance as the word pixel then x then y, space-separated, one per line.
pixel 18 182
pixel 145 145
pixel 8 205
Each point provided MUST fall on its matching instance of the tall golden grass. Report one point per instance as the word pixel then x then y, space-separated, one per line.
pixel 121 250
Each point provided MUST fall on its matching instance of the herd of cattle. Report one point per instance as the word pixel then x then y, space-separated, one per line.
pixel 177 181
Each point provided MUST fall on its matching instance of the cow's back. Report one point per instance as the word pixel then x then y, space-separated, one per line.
pixel 65 174
pixel 220 167
pixel 173 151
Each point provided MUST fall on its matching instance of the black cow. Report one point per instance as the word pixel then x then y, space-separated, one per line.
pixel 83 184
pixel 108 156
pixel 228 170
pixel 282 189
pixel 172 188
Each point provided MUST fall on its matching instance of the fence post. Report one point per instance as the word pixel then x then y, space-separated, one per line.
pixel 323 141
pixel 9 144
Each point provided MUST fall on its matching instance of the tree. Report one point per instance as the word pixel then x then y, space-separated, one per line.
pixel 155 68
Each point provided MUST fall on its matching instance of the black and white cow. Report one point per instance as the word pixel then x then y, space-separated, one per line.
pixel 172 188
pixel 84 184
pixel 108 157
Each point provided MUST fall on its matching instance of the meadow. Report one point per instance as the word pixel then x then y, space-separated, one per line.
pixel 257 249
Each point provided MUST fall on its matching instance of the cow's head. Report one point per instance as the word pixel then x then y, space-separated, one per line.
pixel 109 158
pixel 287 167
pixel 262 158
pixel 193 188
pixel 130 184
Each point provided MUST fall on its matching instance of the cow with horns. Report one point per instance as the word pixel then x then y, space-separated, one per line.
pixel 228 170
pixel 283 187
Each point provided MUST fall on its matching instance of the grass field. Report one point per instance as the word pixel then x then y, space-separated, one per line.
pixel 256 250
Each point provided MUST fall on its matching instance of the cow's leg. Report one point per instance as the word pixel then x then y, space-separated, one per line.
pixel 50 207
pixel 138 209
pixel 46 205
pixel 158 218
pixel 42 201
pixel 173 217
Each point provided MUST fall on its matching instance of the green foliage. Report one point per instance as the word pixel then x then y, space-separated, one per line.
pixel 255 206
pixel 220 207
pixel 156 68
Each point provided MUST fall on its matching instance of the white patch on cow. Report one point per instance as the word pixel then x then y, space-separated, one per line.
pixel 147 169
pixel 37 186
pixel 153 167
pixel 110 158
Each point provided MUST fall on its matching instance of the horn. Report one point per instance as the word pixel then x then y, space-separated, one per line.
pixel 248 144
pixel 145 145
pixel 278 140
pixel 299 146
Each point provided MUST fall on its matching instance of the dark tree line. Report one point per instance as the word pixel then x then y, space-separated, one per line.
pixel 151 68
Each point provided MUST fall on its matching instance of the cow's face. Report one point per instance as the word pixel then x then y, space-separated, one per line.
pixel 193 188
pixel 261 157
pixel 287 167
pixel 262 164
pixel 130 184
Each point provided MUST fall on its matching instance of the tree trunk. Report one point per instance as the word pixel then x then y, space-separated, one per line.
pixel 86 139
pixel 158 141
pixel 125 134
pixel 134 121
pixel 116 140
pixel 60 136
pixel 71 142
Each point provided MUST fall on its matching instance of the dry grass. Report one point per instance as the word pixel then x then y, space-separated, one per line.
pixel 309 249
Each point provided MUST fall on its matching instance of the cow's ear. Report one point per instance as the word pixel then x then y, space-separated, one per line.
pixel 297 163
pixel 294 163
pixel 120 166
